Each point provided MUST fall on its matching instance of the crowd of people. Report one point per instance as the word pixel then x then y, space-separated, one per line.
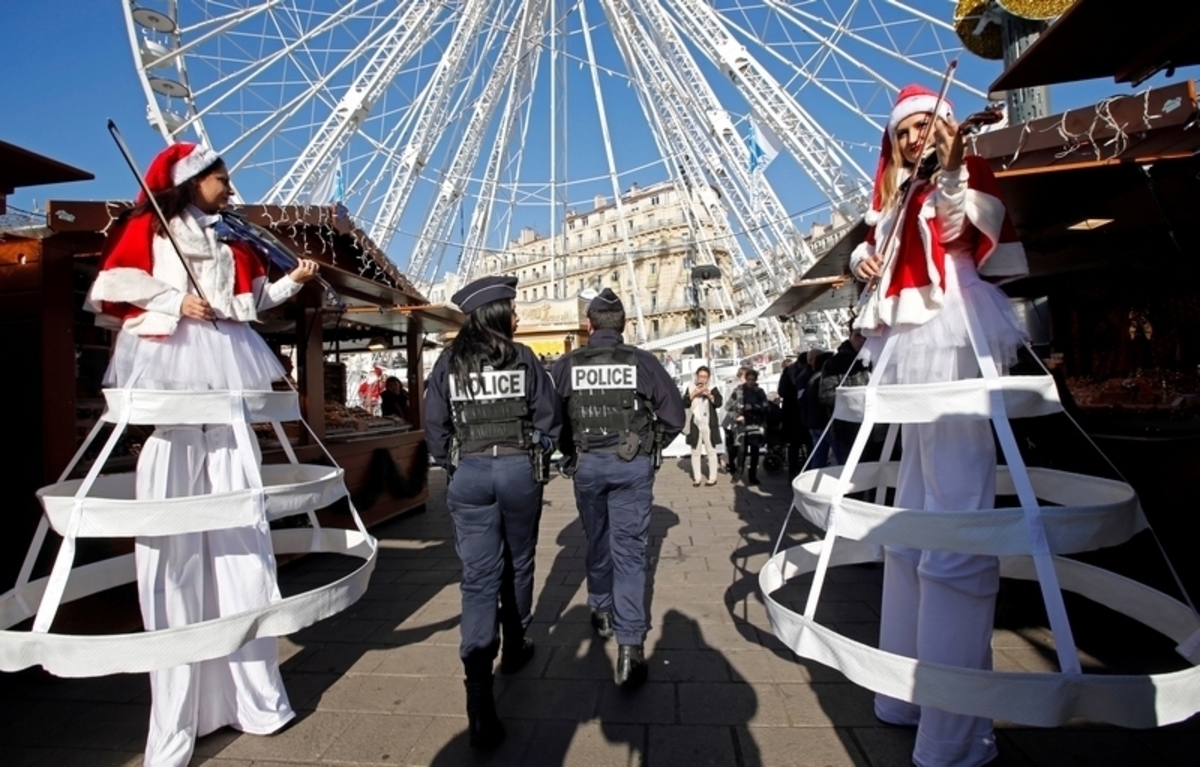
pixel 494 414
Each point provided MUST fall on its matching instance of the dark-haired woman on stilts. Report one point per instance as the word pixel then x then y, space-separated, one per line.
pixel 491 414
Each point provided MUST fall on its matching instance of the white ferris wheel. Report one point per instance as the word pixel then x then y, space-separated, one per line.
pixel 447 126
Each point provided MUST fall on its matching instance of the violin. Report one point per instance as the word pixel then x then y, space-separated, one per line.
pixel 930 164
pixel 234 226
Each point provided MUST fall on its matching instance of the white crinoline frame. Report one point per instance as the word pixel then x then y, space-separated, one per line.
pixel 103 506
pixel 1082 514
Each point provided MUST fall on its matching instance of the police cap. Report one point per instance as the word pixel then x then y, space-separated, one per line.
pixel 606 301
pixel 485 291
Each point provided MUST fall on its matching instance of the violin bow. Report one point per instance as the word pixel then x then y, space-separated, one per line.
pixel 947 78
pixel 162 218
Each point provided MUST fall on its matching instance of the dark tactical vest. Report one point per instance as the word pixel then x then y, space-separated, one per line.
pixel 604 403
pixel 495 411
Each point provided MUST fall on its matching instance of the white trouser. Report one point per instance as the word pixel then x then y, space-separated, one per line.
pixel 704 447
pixel 939 606
pixel 184 579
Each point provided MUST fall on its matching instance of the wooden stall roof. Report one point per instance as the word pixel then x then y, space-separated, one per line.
pixel 827 284
pixel 1106 183
pixel 1109 38
pixel 20 167
pixel 369 283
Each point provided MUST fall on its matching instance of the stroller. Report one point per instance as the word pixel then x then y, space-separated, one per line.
pixel 768 433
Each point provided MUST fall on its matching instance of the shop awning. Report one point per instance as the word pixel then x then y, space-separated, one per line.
pixel 1109 38
pixel 20 168
pixel 827 284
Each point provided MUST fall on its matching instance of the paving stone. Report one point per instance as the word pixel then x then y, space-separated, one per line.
pixel 690 745
pixel 304 741
pixel 551 699
pixel 444 743
pixel 816 705
pixel 652 703
pixel 1064 747
pixel 364 694
pixel 731 703
pixel 688 665
pixel 377 739
pixel 792 747
pixel 433 696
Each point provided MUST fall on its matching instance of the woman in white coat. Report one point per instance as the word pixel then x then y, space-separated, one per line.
pixel 169 337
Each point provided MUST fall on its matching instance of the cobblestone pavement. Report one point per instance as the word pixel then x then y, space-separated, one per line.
pixel 381 683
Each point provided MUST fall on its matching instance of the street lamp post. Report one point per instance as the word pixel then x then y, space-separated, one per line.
pixel 703 274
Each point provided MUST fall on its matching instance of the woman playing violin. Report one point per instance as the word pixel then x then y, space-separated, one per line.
pixel 182 321
pixel 939 228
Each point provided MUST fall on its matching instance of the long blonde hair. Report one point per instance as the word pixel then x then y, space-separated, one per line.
pixel 889 180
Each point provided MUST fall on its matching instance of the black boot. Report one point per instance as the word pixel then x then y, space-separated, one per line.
pixel 485 729
pixel 631 666
pixel 516 655
pixel 602 623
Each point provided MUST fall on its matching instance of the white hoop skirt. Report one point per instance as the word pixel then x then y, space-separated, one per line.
pixel 1060 514
pixel 200 483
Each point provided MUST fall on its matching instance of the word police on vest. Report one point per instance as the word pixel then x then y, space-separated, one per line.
pixel 604 377
pixel 491 384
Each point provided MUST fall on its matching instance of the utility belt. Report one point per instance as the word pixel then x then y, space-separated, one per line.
pixel 630 446
pixel 539 460
pixel 496 451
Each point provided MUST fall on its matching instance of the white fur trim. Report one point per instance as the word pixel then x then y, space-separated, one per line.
pixel 200 158
pixel 871 217
pixel 1007 262
pixel 913 105
pixel 126 285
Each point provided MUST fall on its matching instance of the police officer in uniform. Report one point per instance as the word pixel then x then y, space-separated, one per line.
pixel 491 416
pixel 623 408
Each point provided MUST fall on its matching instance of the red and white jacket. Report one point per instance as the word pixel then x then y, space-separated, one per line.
pixel 961 215
pixel 142 282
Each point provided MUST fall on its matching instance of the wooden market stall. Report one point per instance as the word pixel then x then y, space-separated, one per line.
pixel 35 278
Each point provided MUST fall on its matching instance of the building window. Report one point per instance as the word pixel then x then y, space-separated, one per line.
pixel 543 291
pixel 655 200
pixel 614 230
pixel 654 327
pixel 583 221
pixel 524 295
pixel 649 219
pixel 654 300
pixel 654 267
pixel 616 277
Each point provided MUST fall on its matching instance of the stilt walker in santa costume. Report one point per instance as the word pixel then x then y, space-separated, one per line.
pixel 183 324
pixel 943 246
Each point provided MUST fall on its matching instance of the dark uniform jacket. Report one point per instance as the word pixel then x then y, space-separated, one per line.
pixel 654 384
pixel 545 406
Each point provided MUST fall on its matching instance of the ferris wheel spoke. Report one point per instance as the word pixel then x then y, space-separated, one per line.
pixel 277 120
pixel 393 51
pixel 520 77
pixel 799 16
pixel 432 120
pixel 470 145
pixel 227 87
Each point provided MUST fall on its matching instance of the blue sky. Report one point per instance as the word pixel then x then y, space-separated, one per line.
pixel 67 68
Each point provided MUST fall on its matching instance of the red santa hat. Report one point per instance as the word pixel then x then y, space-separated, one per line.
pixel 176 164
pixel 912 99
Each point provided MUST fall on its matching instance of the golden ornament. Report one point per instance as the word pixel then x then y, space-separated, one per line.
pixel 1036 10
pixel 988 42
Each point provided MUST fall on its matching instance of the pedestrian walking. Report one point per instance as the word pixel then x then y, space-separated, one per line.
pixel 704 431
pixel 623 408
pixel 491 417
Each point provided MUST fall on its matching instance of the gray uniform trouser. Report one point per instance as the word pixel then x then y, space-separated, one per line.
pixel 614 499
